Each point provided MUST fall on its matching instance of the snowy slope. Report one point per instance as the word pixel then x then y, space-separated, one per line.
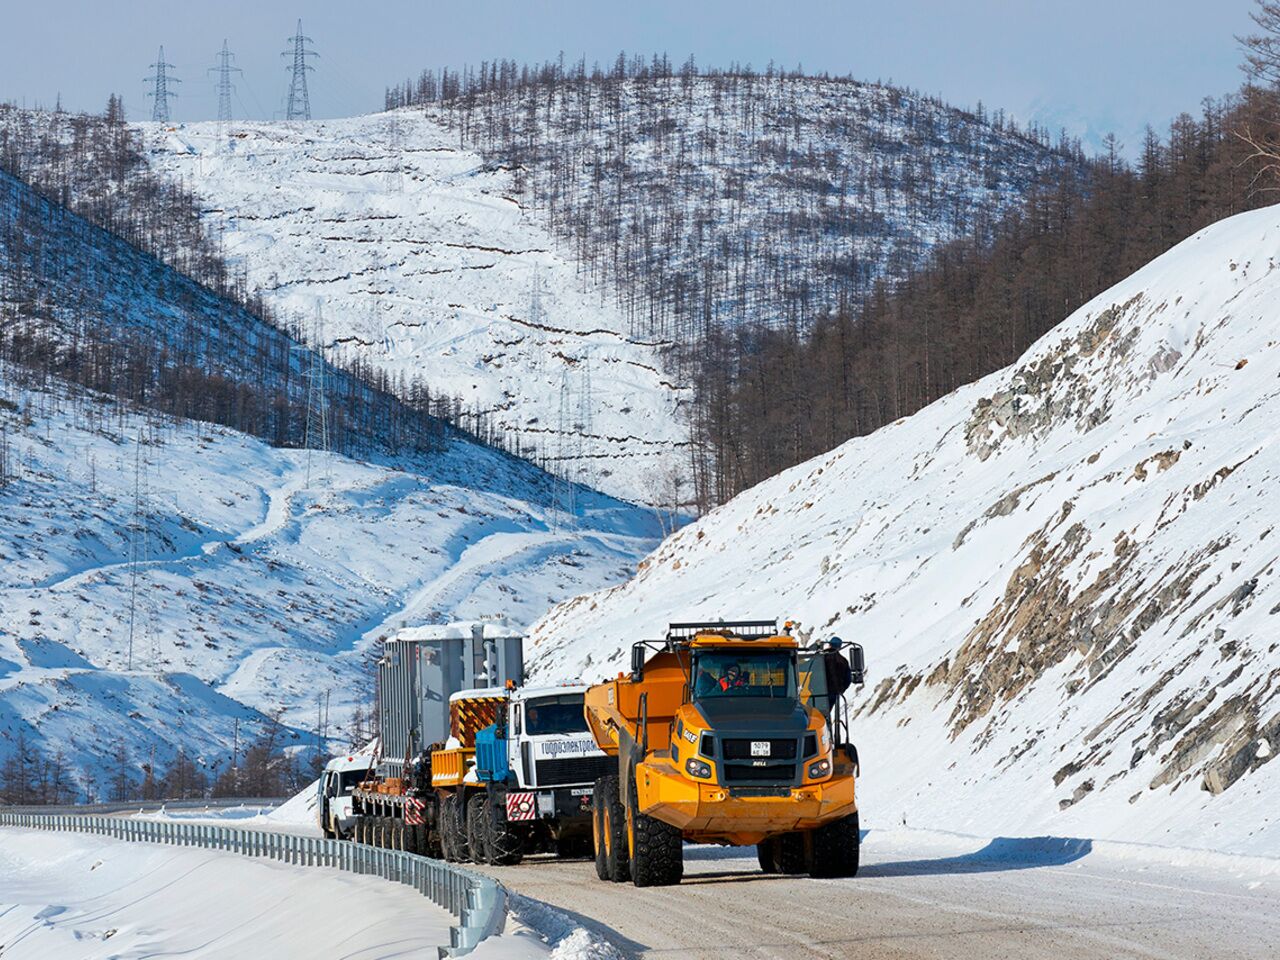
pixel 1064 574
pixel 258 592
pixel 77 897
pixel 426 264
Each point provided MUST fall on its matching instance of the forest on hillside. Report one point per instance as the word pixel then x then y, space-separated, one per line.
pixel 783 243
pixel 713 198
pixel 76 193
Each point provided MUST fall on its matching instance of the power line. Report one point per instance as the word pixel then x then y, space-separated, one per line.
pixel 299 105
pixel 224 86
pixel 160 91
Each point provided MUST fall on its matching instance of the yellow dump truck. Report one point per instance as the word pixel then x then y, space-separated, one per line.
pixel 727 733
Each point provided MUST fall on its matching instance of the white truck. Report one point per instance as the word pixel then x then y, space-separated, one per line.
pixel 334 794
pixel 535 770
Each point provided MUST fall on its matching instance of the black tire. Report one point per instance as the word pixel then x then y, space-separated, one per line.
pixel 657 848
pixel 789 855
pixel 357 830
pixel 505 845
pixel 764 854
pixel 451 836
pixel 613 827
pixel 597 831
pixel 477 816
pixel 836 848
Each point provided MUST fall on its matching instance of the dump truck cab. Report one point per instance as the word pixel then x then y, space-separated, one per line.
pixel 718 739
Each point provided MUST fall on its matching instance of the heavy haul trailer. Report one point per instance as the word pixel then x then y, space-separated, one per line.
pixel 491 770
pixel 724 733
pixel 397 805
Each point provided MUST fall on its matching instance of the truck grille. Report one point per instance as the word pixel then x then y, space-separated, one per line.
pixel 586 770
pixel 774 773
pixel 737 749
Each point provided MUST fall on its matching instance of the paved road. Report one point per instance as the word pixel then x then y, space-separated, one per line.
pixel 934 897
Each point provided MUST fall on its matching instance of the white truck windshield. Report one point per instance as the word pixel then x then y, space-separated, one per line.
pixel 561 714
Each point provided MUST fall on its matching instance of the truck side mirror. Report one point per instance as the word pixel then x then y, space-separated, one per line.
pixel 637 662
pixel 857 664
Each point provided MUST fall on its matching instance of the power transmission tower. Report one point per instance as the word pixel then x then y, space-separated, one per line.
pixel 317 428
pixel 160 91
pixel 565 465
pixel 299 105
pixel 535 315
pixel 585 424
pixel 395 146
pixel 139 542
pixel 224 85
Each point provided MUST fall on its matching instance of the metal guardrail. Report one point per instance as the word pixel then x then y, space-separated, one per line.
pixel 479 902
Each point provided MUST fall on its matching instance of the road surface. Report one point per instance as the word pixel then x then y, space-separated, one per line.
pixel 928 896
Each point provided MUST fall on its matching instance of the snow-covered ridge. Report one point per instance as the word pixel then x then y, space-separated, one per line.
pixel 258 590
pixel 426 265
pixel 1064 574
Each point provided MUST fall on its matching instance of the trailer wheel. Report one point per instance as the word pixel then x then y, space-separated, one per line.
pixel 613 827
pixel 836 848
pixel 789 855
pixel 452 836
pixel 476 815
pixel 765 854
pixel 503 844
pixel 597 831
pixel 657 848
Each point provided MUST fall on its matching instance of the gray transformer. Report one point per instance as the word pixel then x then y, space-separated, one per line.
pixel 421 667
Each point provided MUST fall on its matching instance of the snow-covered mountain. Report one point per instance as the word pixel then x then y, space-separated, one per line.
pixel 427 265
pixel 738 198
pixel 255 591
pixel 1064 574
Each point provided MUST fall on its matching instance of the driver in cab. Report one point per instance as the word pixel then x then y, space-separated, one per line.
pixel 733 680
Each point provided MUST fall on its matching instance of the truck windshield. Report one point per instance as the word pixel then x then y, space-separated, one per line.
pixel 721 673
pixel 350 779
pixel 562 714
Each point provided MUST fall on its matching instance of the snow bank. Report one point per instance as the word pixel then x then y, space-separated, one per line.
pixel 76 897
pixel 1064 574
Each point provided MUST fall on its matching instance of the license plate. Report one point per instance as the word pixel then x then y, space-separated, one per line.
pixel 761 748
pixel 581 792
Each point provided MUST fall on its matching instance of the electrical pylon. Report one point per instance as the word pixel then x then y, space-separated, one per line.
pixel 395 146
pixel 299 103
pixel 160 91
pixel 224 85
pixel 139 542
pixel 316 437
pixel 585 425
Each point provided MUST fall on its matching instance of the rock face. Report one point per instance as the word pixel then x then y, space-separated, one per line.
pixel 1064 574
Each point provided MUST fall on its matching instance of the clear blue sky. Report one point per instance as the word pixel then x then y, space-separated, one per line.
pixel 1108 64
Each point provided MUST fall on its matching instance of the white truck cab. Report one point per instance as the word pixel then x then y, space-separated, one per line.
pixel 333 807
pixel 553 758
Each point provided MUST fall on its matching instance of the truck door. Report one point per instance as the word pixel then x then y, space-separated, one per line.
pixel 812 675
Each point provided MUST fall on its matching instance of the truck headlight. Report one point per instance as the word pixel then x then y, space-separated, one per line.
pixel 819 768
pixel 696 768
